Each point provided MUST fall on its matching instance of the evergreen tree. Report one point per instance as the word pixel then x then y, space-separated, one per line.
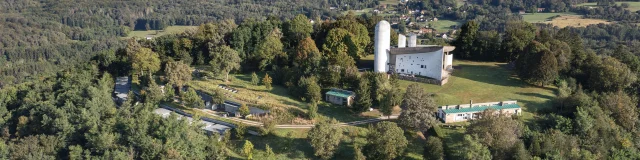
pixel 270 155
pixel 313 110
pixel 464 42
pixel 153 93
pixel 247 149
pixel 192 99
pixel 363 99
pixel 254 79
pixel 267 81
pixel 387 103
pixel 244 110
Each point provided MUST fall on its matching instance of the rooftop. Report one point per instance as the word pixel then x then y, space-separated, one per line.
pixel 412 50
pixel 340 93
pixel 122 87
pixel 480 108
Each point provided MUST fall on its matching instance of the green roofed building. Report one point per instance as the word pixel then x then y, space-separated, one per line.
pixel 340 97
pixel 465 112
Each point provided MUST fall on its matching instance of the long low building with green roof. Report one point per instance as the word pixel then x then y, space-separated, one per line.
pixel 466 112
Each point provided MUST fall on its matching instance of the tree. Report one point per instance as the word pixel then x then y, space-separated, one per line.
pixel 496 131
pixel 308 57
pixel 472 150
pixel 247 149
pixel 269 125
pixel 153 93
pixel 418 109
pixel 178 73
pixel 254 78
pixel 339 48
pixel 225 60
pixel 145 60
pixel 464 42
pixel 387 103
pixel 520 152
pixel 169 92
pixel 267 81
pixel 358 155
pixel 325 138
pixel 545 69
pixel 270 49
pixel 518 34
pixel 244 110
pixel 240 129
pixel 611 75
pixel 313 110
pixel 622 107
pixel 433 149
pixel 270 155
pixel 402 27
pixel 363 99
pixel 297 29
pixel 386 141
pixel 192 99
pixel 311 89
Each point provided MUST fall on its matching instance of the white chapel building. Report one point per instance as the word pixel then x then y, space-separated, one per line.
pixel 430 61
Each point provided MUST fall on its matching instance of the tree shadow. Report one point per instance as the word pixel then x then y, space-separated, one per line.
pixel 497 74
pixel 536 95
pixel 340 113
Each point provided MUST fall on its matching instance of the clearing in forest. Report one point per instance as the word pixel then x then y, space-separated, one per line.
pixel 633 6
pixel 542 17
pixel 157 33
pixel 575 21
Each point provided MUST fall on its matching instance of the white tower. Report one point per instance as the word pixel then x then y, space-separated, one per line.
pixel 382 44
pixel 413 40
pixel 402 41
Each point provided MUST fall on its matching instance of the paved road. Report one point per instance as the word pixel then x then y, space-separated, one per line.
pixel 254 123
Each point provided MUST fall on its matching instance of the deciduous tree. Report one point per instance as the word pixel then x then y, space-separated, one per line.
pixel 192 99
pixel 473 150
pixel 363 99
pixel 325 138
pixel 224 60
pixel 178 73
pixel 611 75
pixel 145 60
pixel 247 149
pixel 244 110
pixel 433 149
pixel 386 141
pixel 418 109
pixel 267 81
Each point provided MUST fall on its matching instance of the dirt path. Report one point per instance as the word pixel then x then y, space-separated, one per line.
pixel 254 123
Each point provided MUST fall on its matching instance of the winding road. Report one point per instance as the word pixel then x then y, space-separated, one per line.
pixel 254 123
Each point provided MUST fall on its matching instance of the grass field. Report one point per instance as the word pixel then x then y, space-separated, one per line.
pixel 633 6
pixel 575 21
pixel 484 82
pixel 442 26
pixel 156 33
pixel 542 17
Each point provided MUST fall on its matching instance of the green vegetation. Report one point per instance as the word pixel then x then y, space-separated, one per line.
pixel 442 25
pixel 542 17
pixel 633 6
pixel 158 33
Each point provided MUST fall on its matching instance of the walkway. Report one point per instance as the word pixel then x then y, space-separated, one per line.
pixel 254 123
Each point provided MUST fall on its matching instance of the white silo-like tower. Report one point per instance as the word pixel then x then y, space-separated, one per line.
pixel 413 40
pixel 402 41
pixel 382 44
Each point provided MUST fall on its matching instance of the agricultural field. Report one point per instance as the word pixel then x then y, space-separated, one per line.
pixel 542 17
pixel 575 21
pixel 633 6
pixel 156 33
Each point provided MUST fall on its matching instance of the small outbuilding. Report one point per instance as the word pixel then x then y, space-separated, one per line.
pixel 121 89
pixel 340 97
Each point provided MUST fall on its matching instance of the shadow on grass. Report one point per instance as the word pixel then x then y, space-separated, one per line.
pixel 495 74
pixel 340 113
pixel 548 97
pixel 291 147
pixel 453 141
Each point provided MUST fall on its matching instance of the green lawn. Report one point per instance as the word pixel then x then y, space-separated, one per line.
pixel 156 33
pixel 390 2
pixel 443 25
pixel 633 6
pixel 488 82
pixel 542 17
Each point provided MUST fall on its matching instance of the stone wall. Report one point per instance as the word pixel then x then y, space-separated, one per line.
pixel 425 80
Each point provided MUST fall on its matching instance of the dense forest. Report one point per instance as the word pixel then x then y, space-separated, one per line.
pixel 39 36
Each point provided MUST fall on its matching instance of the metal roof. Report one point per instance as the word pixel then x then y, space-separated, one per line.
pixel 480 108
pixel 340 93
pixel 122 87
